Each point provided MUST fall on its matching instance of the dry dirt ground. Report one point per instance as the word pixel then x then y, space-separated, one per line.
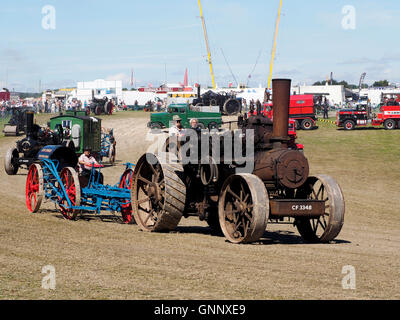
pixel 104 259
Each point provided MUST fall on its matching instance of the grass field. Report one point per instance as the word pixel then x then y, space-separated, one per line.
pixel 103 259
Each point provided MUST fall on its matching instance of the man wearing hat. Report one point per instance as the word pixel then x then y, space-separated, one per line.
pixel 177 127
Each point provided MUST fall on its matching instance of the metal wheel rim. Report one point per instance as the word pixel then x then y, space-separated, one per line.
pixel 390 125
pixel 70 182
pixel 243 208
pixel 8 161
pixel 126 183
pixel 149 188
pixel 34 188
pixel 307 124
pixel 158 192
pixel 326 227
pixel 349 125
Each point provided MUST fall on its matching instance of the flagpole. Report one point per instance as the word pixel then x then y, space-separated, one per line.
pixel 274 48
pixel 208 48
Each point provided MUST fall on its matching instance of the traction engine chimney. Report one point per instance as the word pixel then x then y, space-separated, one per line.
pixel 281 101
pixel 29 123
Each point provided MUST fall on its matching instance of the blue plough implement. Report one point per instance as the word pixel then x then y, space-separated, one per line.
pixel 74 194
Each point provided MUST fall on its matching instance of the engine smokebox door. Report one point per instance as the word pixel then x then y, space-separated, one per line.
pixel 292 169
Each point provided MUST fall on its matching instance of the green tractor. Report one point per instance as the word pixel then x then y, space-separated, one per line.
pixel 160 120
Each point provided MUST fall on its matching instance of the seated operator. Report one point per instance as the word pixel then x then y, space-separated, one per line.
pixel 86 161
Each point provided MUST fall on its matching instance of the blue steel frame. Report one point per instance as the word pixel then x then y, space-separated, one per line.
pixel 96 197
pixel 106 143
pixel 53 187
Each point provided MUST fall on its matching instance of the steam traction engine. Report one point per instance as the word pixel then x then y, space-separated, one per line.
pixel 26 150
pixel 227 102
pixel 240 204
pixel 100 106
pixel 17 122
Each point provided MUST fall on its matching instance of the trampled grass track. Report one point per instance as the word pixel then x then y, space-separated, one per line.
pixel 97 259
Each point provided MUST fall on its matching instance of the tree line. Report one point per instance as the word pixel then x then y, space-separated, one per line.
pixel 376 84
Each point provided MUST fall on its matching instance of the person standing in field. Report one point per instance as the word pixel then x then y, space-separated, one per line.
pixel 326 109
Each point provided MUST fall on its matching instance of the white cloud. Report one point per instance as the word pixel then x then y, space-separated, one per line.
pixel 119 76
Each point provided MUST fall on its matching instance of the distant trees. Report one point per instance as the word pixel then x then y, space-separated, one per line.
pixel 343 83
pixel 334 82
pixel 381 83
pixel 24 95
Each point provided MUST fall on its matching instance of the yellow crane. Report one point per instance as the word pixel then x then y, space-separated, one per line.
pixel 274 48
pixel 208 47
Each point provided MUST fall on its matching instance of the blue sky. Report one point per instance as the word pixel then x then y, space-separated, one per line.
pixel 105 39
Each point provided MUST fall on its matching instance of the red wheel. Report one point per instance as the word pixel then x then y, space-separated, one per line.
pixel 70 181
pixel 126 183
pixel 349 125
pixel 34 188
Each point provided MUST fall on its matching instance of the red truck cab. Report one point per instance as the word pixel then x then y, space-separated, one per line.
pixel 389 117
pixel 301 110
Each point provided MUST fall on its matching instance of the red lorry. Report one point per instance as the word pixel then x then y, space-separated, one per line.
pixel 361 115
pixel 301 110
pixel 349 119
pixel 389 117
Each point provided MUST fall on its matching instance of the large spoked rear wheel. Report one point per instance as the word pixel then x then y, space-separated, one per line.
pixel 98 110
pixel 326 227
pixel 126 183
pixel 158 194
pixel 34 188
pixel 70 181
pixel 243 208
pixel 9 161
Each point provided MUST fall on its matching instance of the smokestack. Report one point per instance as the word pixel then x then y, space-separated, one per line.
pixel 281 101
pixel 198 91
pixel 29 123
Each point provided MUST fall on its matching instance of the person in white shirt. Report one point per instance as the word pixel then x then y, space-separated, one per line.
pixel 86 161
pixel 177 127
